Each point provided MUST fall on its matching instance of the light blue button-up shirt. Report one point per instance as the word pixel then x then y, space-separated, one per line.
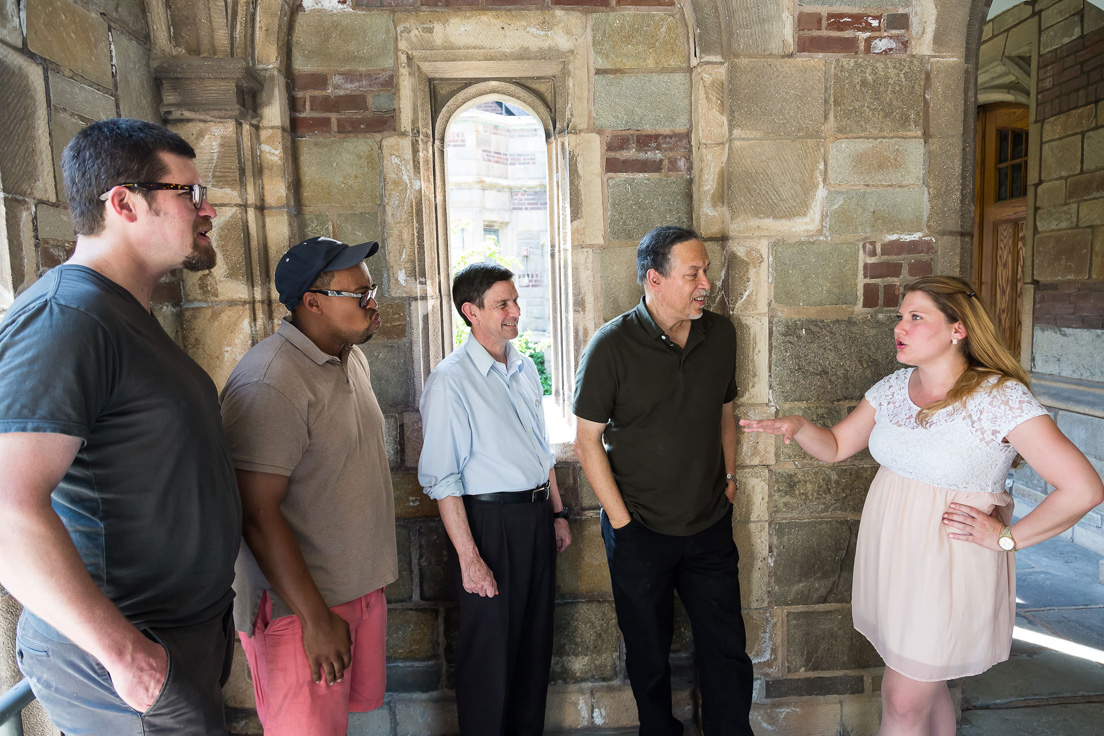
pixel 483 425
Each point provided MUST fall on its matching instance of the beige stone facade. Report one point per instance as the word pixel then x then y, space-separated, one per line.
pixel 823 148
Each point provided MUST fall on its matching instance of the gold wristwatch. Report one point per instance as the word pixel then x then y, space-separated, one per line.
pixel 1006 542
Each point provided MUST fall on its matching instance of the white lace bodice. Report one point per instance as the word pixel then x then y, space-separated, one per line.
pixel 962 448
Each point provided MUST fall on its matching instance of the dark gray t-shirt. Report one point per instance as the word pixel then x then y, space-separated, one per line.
pixel 150 500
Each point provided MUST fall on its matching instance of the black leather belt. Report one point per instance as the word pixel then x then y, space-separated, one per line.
pixel 540 493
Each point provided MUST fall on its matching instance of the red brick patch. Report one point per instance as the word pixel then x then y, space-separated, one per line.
pixel 618 165
pixel 368 124
pixel 810 44
pixel 1070 304
pixel 308 125
pixel 304 82
pixel 809 22
pixel 886 45
pixel 853 22
pixel 884 270
pixel 907 247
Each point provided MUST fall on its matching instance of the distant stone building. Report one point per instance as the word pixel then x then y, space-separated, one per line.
pixel 827 151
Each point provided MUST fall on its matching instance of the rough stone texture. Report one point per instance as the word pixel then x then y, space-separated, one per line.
pixel 328 41
pixel 217 337
pixel 1067 254
pixel 816 274
pixel 884 162
pixel 638 41
pixel 54 223
pixel 69 94
pixel 10 32
pixel 217 159
pixel 1074 121
pixel 584 172
pixel 819 717
pixel 746 277
pixel 620 292
pixel 795 687
pixel 411 633
pixel 710 123
pixel 1074 353
pixel 1059 34
pixel 401 192
pixel 1084 431
pixel 1085 186
pixel 753 541
pixel 1056 218
pixel 238 690
pixel 772 181
pixel 1091 213
pixel 71 36
pixel 945 187
pixel 62 129
pixel 567 708
pixel 750 503
pixel 861 716
pixel 1094 149
pixel 358 227
pixel 338 172
pixel 897 85
pixel 813 561
pixel 710 166
pixel 402 589
pixel 801 493
pixel 1050 194
pixel 410 500
pixel 826 641
pixel 836 360
pixel 615 707
pixel 581 570
pixel 636 204
pixel 757 28
pixel 25 163
pixel 586 643
pixel 791 105
pixel 373 723
pixel 868 211
pixel 17 265
pixel 1062 157
pixel 947 107
pixel 138 94
pixel 752 370
pixel 425 717
pixel 617 101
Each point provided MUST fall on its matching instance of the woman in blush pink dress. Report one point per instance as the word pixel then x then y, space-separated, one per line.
pixel 935 567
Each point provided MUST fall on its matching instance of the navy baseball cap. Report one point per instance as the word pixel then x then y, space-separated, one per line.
pixel 305 262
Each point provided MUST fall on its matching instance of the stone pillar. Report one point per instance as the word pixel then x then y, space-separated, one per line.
pixel 211 102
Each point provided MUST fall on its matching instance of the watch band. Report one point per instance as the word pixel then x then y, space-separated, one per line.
pixel 564 513
pixel 731 477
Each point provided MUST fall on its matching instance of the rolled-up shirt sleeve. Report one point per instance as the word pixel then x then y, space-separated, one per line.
pixel 446 441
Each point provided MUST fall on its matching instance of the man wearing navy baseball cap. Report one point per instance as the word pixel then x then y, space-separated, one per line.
pixel 307 441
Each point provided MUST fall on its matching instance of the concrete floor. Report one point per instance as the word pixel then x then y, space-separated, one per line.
pixel 1042 690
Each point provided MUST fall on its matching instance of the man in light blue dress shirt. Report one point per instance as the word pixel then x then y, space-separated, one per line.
pixel 487 461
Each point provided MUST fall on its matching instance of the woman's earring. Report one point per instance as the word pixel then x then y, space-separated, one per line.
pixel 954 340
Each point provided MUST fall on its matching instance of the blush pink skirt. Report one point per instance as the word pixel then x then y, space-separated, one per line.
pixel 935 608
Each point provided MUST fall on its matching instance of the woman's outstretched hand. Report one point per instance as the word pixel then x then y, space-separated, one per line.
pixel 785 426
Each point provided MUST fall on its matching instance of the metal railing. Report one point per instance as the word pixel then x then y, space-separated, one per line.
pixel 12 704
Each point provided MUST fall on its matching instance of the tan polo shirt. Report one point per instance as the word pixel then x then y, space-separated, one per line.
pixel 292 410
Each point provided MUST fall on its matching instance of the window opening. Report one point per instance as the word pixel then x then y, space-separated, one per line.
pixel 1011 164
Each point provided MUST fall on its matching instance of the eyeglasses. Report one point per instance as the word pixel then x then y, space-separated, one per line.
pixel 199 192
pixel 364 297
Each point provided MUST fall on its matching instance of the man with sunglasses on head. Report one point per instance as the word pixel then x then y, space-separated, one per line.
pixel 119 519
pixel 307 440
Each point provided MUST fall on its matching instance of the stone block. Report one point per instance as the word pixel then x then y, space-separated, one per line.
pixel 69 35
pixel 816 274
pixel 1059 34
pixel 588 501
pixel 412 438
pixel 338 172
pixel 750 503
pixel 433 562
pixel 358 227
pixel 801 493
pixel 709 190
pixel 54 223
pixel 1094 18
pixel 1084 431
pixel 238 690
pixel 813 561
pixel 26 168
pixel 1085 186
pixel 62 129
pixel 413 676
pixel 217 337
pixel 1091 213
pixel 139 97
pixel 812 718
pixel 1051 193
pixel 391 372
pixel 584 173
pixel 825 641
pixel 851 355
pixel 80 99
pixel 568 708
pixel 620 292
pixel 402 590
pixel 774 181
pixel 1010 17
pixel 617 101
pixel 581 570
pixel 873 162
pixel 638 41
pixel 327 41
pixel 878 96
pixel 217 158
pixel 792 105
pixel 586 642
pixel 862 716
pixel 710 122
pixel 411 633
pixel 752 376
pixel 18 264
pixel 746 277
pixel 410 500
pixel 1056 218
pixel 1098 253
pixel 1064 254
pixel 875 211
pixel 807 687
pixel 1094 149
pixel 638 204
pixel 824 415
pixel 401 206
pixel 1074 121
pixel 312 224
pixel 1070 352
pixel 425 716
pixel 372 723
pixel 10 32
pixel 229 279
pixel 946 111
pixel 753 541
pixel 614 707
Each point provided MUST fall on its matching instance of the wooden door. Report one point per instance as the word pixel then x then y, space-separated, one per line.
pixel 1000 215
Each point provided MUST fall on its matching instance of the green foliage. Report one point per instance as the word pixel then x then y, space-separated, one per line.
pixel 526 345
pixel 487 251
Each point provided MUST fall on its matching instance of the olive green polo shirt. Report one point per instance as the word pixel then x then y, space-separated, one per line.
pixel 662 406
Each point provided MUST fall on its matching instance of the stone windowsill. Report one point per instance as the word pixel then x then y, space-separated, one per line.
pixel 1069 394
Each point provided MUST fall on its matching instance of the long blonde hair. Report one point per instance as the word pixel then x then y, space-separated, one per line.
pixel 984 350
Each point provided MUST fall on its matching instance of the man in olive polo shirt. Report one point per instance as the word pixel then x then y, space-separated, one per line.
pixel 307 440
pixel 656 438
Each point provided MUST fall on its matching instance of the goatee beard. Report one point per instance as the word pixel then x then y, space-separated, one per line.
pixel 202 258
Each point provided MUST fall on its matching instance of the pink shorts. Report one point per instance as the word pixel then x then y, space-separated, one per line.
pixel 289 702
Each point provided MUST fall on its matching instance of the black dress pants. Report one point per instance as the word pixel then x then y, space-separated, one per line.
pixel 504 643
pixel 646 568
